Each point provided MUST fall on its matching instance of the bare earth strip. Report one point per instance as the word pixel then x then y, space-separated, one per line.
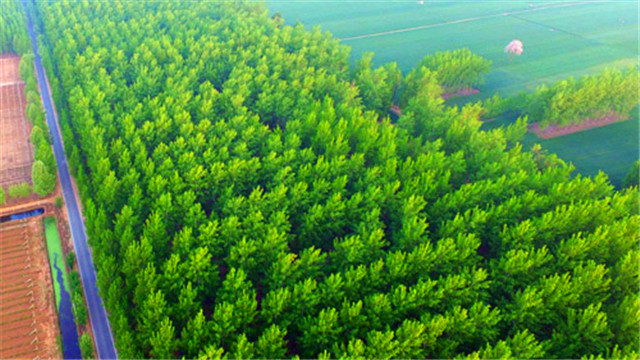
pixel 552 131
pixel 463 92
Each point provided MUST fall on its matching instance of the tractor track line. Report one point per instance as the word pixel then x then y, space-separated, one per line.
pixel 459 21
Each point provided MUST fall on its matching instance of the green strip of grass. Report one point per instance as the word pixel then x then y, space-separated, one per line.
pixel 54 246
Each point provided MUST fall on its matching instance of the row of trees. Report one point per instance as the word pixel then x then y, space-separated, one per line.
pixel 80 311
pixel 43 172
pixel 245 199
pixel 610 92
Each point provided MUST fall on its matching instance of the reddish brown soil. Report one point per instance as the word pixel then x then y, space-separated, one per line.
pixel 463 92
pixel 9 67
pixel 28 321
pixel 16 154
pixel 552 131
pixel 396 109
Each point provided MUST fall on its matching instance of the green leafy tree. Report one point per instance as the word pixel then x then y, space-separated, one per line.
pixel 458 69
pixel 631 179
pixel 43 181
pixel 86 346
pixel 80 309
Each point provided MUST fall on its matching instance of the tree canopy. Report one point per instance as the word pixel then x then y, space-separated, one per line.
pixel 13 29
pixel 245 198
pixel 44 182
pixel 458 69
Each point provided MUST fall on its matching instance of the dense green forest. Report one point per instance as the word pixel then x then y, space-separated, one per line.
pixel 13 28
pixel 245 197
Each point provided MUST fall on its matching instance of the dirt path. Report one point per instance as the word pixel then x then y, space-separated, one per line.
pixel 459 93
pixel 552 131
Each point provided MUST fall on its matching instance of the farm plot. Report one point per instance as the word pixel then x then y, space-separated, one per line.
pixel 16 155
pixel 612 148
pixel 27 317
pixel 560 38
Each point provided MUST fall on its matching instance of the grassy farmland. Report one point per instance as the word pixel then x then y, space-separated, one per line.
pixel 560 39
pixel 611 148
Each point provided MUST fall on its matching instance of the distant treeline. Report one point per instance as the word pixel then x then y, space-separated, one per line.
pixel 14 37
pixel 611 92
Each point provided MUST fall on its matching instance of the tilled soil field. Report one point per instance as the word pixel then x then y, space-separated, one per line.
pixel 28 321
pixel 16 154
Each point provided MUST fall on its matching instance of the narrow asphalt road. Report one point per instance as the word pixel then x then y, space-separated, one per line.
pixel 97 314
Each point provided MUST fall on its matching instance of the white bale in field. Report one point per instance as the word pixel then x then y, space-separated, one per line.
pixel 515 47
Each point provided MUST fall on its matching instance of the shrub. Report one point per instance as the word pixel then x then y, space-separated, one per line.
pixel 37 136
pixel 3 197
pixel 74 277
pixel 71 260
pixel 79 309
pixel 86 346
pixel 59 203
pixel 632 177
pixel 21 190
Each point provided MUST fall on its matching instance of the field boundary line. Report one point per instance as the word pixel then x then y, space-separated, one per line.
pixel 459 21
pixel 20 82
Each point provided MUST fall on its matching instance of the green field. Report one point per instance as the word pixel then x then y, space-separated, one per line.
pixel 560 39
pixel 55 247
pixel 593 150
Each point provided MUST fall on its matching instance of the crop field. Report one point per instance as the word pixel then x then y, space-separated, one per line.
pixel 611 148
pixel 16 155
pixel 27 319
pixel 560 39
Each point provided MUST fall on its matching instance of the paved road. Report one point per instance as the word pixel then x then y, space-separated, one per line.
pixel 97 313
